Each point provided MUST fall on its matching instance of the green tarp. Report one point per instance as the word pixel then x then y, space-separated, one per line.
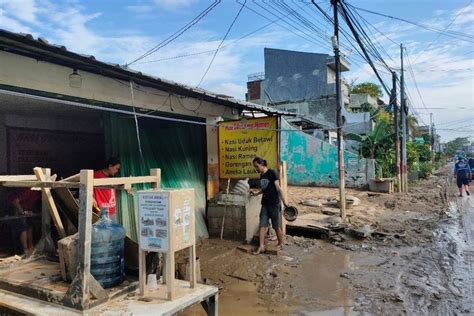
pixel 178 149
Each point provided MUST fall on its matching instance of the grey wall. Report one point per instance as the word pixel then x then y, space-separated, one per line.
pixel 291 75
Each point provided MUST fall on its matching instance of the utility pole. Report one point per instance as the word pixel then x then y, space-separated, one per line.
pixel 393 100
pixel 403 164
pixel 340 149
pixel 432 139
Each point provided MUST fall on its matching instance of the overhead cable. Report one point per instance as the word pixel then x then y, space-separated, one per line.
pixel 176 34
pixel 220 44
pixel 457 35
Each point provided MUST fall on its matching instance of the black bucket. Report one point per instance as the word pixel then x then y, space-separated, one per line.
pixel 290 213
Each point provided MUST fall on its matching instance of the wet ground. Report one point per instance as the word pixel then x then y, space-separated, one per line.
pixel 424 269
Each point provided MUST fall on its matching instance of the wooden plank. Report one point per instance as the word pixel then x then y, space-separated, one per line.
pixel 77 295
pixel 156 174
pixel 50 201
pixel 192 266
pixel 46 243
pixel 284 189
pixel 74 178
pixel 18 178
pixel 31 291
pixel 39 184
pixel 142 270
pixel 97 290
pixel 123 181
pixel 27 306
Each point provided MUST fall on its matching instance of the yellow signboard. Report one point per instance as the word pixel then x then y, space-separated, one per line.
pixel 241 141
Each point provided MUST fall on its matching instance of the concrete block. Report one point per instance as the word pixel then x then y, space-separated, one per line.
pixel 67 249
pixel 384 185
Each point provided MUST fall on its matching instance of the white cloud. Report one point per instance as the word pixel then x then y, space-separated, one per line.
pixel 140 9
pixel 11 24
pixel 230 89
pixel 24 10
pixel 174 4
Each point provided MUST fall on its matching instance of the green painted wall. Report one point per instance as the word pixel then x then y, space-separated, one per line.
pixel 312 161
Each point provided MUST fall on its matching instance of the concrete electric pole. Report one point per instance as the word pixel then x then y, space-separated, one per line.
pixel 403 165
pixel 339 123
pixel 393 102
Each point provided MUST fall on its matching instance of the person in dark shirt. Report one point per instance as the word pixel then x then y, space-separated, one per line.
pixel 462 173
pixel 25 202
pixel 270 186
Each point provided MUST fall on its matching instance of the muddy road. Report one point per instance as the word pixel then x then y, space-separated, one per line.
pixel 417 261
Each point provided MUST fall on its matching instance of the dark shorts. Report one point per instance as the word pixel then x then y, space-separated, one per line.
pixel 462 181
pixel 19 225
pixel 270 212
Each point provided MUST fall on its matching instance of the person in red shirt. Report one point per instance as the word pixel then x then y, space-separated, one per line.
pixel 107 197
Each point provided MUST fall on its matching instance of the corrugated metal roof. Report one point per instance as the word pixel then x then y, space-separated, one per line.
pixel 27 45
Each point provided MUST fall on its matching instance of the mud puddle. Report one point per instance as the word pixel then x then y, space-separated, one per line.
pixel 297 282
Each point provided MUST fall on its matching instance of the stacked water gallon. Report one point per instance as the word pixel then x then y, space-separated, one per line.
pixel 107 263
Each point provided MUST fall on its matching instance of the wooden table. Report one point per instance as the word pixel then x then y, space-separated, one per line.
pixel 158 303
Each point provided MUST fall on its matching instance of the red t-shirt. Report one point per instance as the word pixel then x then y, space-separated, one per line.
pixel 104 197
pixel 29 199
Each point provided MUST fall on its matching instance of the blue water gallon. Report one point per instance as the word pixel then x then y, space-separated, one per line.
pixel 107 264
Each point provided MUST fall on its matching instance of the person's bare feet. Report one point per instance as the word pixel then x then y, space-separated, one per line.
pixel 280 246
pixel 259 251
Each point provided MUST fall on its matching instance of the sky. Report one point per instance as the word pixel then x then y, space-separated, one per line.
pixel 441 79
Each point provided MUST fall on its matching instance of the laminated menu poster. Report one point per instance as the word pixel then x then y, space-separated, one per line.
pixel 153 217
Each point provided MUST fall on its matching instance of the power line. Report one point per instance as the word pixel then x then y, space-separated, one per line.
pixel 369 43
pixel 348 20
pixel 220 44
pixel 177 34
pixel 445 29
pixel 457 35
pixel 410 68
pixel 213 50
pixel 456 121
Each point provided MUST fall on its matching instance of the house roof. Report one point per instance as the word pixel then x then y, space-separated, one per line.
pixel 41 49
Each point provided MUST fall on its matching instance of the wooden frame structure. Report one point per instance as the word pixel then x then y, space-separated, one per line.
pixel 84 286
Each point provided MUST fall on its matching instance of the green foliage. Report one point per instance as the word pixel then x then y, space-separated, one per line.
pixel 441 160
pixel 424 152
pixel 370 88
pixel 426 169
pixel 412 156
pixel 427 138
pixel 367 107
pixel 378 145
pixel 456 144
pixel 383 116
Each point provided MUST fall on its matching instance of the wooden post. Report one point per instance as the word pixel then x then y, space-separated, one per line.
pixel 49 199
pixel 77 295
pixel 46 243
pixel 142 277
pixel 192 266
pixel 284 190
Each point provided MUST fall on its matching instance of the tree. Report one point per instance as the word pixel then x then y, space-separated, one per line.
pixel 412 123
pixel 378 145
pixel 372 89
pixel 413 156
pixel 456 144
pixel 424 151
